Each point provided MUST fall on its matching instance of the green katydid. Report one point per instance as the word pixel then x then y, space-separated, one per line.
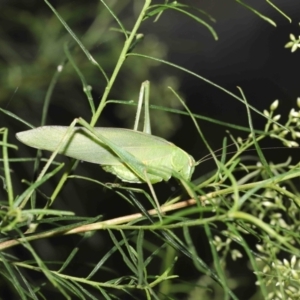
pixel 133 156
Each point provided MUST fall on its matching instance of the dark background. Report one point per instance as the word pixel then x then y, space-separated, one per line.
pixel 250 54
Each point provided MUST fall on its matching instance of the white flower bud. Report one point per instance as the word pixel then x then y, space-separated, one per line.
pixel 291 144
pixel 260 248
pixel 59 68
pixel 275 126
pixel 293 261
pixel 294 144
pixel 295 274
pixel 294 113
pixel 286 262
pixel 274 105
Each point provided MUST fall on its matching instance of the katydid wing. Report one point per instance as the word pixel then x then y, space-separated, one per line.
pixel 154 152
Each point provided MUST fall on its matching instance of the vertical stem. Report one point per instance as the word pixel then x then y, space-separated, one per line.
pixel 8 182
pixel 119 64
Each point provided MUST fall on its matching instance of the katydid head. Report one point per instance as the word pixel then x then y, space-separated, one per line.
pixel 183 163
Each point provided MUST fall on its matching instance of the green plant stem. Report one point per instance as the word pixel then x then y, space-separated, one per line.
pixel 96 283
pixel 8 182
pixel 119 64
pixel 62 181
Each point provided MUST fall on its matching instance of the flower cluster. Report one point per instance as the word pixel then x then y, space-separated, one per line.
pixel 281 279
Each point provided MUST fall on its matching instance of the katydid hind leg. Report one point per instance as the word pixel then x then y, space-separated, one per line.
pixel 139 107
pixel 143 101
pixel 147 122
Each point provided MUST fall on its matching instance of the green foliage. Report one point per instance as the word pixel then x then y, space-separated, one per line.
pixel 245 212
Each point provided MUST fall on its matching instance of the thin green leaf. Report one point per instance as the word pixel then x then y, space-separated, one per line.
pixel 142 271
pixel 116 18
pixel 50 90
pixel 86 88
pixel 160 8
pixel 26 159
pixel 20 199
pixel 279 10
pixel 16 117
pixel 44 268
pixel 86 52
pixel 12 277
pixel 127 261
pixel 257 13
pixel 31 292
pixel 103 259
pixel 68 260
pixel 81 288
